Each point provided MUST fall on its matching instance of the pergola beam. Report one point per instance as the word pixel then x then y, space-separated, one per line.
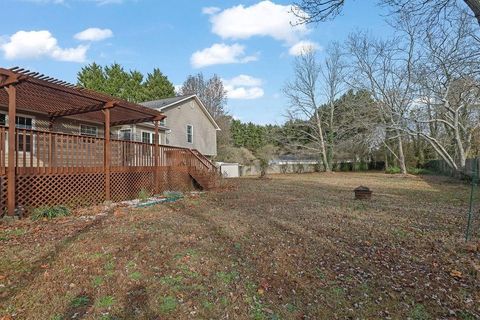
pixel 133 121
pixel 75 111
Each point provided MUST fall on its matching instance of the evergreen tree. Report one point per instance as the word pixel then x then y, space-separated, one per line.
pixel 157 86
pixel 117 82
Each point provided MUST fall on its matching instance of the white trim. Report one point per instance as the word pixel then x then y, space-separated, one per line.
pixel 186 132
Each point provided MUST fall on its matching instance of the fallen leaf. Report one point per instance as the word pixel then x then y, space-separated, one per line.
pixel 456 274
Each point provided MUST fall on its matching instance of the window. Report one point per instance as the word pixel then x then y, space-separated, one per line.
pixel 147 137
pixel 163 122
pixel 23 122
pixel 126 134
pixel 189 133
pixel 90 131
pixel 24 139
pixel 20 122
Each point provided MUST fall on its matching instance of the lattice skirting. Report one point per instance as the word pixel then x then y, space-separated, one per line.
pixel 73 190
pixel 84 189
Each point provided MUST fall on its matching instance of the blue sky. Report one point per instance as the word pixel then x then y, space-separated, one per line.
pixel 250 44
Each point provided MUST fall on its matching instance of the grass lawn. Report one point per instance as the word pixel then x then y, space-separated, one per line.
pixel 289 247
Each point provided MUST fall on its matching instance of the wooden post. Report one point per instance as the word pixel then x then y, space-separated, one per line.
pixel 156 153
pixel 106 151
pixel 12 105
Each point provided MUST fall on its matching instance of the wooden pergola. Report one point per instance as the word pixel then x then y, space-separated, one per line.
pixel 33 92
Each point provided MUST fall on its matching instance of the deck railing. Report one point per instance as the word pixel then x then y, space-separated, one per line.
pixel 44 152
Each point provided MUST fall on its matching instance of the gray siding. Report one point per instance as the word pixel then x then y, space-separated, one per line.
pixel 204 133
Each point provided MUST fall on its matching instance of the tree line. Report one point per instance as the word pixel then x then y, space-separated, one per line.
pixel 404 100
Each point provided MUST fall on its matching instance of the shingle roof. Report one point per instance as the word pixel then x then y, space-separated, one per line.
pixel 158 104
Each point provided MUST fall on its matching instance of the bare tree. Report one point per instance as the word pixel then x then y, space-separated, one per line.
pixel 332 71
pixel 385 68
pixel 211 92
pixel 309 11
pixel 448 102
pixel 303 94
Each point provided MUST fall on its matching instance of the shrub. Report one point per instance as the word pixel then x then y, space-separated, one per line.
pixel 50 212
pixel 299 168
pixel 417 171
pixel 284 168
pixel 144 195
pixel 345 166
pixel 393 170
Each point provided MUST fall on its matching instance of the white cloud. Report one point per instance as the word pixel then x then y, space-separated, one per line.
pixel 243 87
pixel 210 10
pixel 220 53
pixel 262 19
pixel 94 34
pixel 243 80
pixel 38 44
pixel 303 46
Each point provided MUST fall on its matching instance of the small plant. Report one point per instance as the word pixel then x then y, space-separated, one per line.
pixel 419 313
pixel 393 170
pixel 168 304
pixel 135 275
pixel 105 302
pixel 97 281
pixel 80 301
pixel 144 195
pixel 50 212
pixel 283 168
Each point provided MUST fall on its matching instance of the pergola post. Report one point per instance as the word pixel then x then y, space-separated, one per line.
pixel 107 150
pixel 12 106
pixel 156 153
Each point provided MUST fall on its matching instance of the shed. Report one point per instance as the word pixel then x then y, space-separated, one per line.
pixel 229 170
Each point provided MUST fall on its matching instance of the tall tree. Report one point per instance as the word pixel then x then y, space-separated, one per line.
pixel 447 112
pixel 128 85
pixel 157 86
pixel 210 91
pixel 332 71
pixel 92 77
pixel 386 69
pixel 309 11
pixel 303 95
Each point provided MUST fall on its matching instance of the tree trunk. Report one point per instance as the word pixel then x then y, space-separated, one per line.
pixel 401 155
pixel 322 142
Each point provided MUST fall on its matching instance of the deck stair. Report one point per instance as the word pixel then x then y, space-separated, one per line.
pixel 203 171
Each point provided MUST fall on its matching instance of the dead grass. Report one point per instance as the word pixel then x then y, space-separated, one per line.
pixel 291 247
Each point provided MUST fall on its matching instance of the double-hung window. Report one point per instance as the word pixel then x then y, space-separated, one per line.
pixel 147 137
pixel 24 138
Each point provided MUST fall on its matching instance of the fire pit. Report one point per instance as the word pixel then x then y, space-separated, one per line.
pixel 362 193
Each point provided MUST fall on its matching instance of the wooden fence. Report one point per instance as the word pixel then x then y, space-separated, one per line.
pixel 57 168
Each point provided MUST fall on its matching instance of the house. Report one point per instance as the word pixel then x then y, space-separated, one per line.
pixel 59 145
pixel 188 124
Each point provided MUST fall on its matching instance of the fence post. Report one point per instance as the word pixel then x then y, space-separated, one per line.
pixel 107 149
pixel 12 105
pixel 156 146
pixel 472 193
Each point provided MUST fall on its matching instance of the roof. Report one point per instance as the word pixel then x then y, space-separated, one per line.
pixel 158 104
pixel 163 104
pixel 55 98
